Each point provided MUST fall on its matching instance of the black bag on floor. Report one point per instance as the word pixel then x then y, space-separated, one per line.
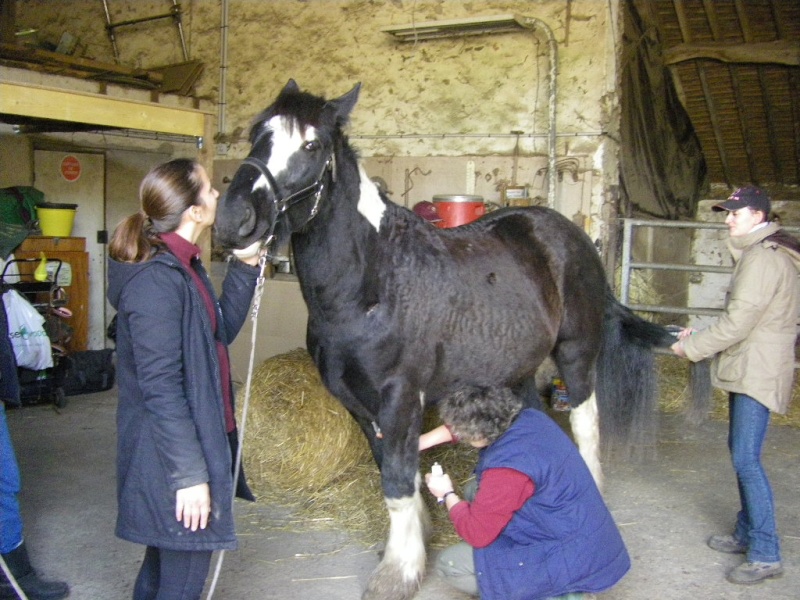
pixel 89 371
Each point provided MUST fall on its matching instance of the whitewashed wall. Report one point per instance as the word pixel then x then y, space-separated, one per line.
pixel 432 118
pixel 457 98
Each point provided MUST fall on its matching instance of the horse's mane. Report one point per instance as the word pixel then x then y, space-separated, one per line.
pixel 302 110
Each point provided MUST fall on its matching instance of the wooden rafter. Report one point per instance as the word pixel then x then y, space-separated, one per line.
pixel 780 52
pixel 686 34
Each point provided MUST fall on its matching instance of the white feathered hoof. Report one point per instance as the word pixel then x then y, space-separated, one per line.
pixel 390 581
pixel 398 575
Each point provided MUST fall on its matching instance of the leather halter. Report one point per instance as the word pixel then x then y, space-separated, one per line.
pixel 315 189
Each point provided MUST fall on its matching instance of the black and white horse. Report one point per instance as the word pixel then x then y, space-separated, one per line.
pixel 402 313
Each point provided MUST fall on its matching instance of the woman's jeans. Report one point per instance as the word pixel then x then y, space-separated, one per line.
pixel 172 574
pixel 10 518
pixel 755 524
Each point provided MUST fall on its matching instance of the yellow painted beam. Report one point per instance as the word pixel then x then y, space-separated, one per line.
pixel 96 109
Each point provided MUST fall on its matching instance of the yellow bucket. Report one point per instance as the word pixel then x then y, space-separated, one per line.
pixel 56 220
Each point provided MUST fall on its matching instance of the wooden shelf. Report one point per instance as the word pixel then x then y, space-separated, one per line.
pixel 71 250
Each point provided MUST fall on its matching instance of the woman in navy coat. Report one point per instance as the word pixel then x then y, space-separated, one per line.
pixel 175 420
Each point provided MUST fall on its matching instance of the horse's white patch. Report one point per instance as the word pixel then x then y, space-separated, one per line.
pixel 369 201
pixel 286 140
pixel 405 547
pixel 585 423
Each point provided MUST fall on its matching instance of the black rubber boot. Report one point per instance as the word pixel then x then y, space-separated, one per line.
pixel 34 588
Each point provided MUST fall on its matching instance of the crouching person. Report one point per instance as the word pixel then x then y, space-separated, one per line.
pixel 537 527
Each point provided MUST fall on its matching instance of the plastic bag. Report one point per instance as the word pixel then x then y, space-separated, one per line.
pixel 26 332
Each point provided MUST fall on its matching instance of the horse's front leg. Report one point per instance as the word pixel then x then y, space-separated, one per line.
pixel 398 575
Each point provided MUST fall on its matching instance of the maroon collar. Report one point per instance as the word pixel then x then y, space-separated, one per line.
pixel 182 248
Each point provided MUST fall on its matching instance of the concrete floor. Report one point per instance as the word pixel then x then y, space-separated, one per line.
pixel 665 509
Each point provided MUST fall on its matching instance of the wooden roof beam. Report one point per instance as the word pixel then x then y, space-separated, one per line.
pixel 768 109
pixel 680 11
pixel 779 52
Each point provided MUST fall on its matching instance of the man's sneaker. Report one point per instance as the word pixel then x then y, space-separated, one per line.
pixel 754 572
pixel 727 544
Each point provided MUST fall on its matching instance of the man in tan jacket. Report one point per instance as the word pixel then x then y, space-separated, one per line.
pixel 753 348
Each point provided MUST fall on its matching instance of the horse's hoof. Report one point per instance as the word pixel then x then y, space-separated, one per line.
pixel 387 583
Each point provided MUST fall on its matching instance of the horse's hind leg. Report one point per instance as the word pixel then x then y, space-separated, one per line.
pixel 576 364
pixel 585 423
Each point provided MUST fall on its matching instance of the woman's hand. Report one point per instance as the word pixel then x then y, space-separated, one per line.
pixel 193 505
pixel 438 485
pixel 249 255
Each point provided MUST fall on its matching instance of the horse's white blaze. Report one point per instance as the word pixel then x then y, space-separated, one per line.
pixel 585 423
pixel 286 140
pixel 369 201
pixel 259 183
pixel 405 548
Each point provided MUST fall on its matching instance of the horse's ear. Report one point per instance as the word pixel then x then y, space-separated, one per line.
pixel 344 106
pixel 291 86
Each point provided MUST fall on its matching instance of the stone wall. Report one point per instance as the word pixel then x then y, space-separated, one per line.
pixel 457 98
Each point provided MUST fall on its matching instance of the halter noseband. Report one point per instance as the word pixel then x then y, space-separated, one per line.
pixel 316 188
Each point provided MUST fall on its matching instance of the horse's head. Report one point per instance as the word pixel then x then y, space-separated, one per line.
pixel 279 186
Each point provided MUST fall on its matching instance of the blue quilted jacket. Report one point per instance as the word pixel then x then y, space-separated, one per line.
pixel 563 539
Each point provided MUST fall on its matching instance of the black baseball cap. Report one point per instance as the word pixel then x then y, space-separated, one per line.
pixel 748 196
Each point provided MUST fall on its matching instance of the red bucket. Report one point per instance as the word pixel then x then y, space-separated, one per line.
pixel 458 210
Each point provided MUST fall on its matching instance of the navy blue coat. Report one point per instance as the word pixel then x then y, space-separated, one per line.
pixel 170 419
pixel 563 539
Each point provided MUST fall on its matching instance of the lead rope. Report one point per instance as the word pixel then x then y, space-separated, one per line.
pixel 11 580
pixel 262 263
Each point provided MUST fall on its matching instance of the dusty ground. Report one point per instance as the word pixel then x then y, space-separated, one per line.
pixel 665 509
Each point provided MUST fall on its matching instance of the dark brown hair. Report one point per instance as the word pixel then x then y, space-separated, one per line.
pixel 165 193
pixel 477 413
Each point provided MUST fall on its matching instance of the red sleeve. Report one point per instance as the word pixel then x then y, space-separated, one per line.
pixel 502 492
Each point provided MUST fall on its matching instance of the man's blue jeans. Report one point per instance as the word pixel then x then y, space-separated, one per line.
pixel 755 525
pixel 10 519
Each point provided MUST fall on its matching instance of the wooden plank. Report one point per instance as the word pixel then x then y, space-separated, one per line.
pixel 95 109
pixel 36 55
pixel 779 52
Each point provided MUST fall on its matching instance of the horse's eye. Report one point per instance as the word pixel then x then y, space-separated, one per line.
pixel 312 146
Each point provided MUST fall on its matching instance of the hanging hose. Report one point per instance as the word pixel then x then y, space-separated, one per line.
pixel 262 263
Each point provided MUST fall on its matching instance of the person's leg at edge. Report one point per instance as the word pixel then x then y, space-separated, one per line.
pixel 12 545
pixel 10 518
pixel 756 521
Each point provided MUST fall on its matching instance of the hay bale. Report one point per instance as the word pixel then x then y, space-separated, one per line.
pixel 304 451
pixel 299 437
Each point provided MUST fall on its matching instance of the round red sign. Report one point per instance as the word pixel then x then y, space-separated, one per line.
pixel 70 168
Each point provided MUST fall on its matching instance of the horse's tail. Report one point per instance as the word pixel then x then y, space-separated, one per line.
pixel 627 382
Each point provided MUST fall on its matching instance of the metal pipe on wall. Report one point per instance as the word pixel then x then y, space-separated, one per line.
pixel 434 30
pixel 532 23
pixel 223 69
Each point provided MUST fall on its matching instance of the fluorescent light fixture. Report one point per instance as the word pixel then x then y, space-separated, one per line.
pixel 431 30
